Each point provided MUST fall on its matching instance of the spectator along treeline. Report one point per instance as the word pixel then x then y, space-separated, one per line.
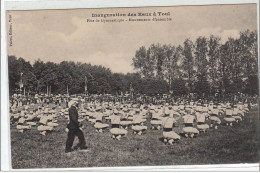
pixel 204 67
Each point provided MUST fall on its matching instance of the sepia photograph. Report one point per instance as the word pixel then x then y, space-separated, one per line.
pixel 135 86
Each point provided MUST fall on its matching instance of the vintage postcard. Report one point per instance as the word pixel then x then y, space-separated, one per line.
pixel 136 86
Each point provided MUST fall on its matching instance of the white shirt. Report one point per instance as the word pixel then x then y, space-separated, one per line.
pixel 188 119
pixel 200 117
pixel 115 119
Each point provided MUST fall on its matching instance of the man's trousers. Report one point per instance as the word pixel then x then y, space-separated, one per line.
pixel 71 135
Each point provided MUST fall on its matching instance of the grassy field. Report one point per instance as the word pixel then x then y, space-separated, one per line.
pixel 237 144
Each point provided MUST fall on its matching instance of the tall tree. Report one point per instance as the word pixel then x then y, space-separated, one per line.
pixel 248 53
pixel 225 66
pixel 158 54
pixel 15 68
pixel 213 68
pixel 188 64
pixel 38 71
pixel 144 62
pixel 50 77
pixel 170 63
pixel 201 64
pixel 235 67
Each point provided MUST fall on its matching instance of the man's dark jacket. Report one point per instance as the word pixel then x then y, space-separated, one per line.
pixel 73 114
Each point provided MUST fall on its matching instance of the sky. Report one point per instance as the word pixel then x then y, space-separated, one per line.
pixel 65 35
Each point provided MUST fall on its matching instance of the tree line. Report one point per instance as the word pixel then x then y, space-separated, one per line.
pixel 203 67
pixel 74 78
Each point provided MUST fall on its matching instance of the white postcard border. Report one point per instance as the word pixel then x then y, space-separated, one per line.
pixel 66 4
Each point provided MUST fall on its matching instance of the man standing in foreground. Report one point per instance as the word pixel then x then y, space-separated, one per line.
pixel 74 128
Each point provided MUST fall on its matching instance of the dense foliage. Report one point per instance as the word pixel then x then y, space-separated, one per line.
pixel 203 67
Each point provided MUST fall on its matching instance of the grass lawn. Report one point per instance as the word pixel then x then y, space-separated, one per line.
pixel 237 144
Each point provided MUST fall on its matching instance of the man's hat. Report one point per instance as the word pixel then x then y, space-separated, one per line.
pixel 72 102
